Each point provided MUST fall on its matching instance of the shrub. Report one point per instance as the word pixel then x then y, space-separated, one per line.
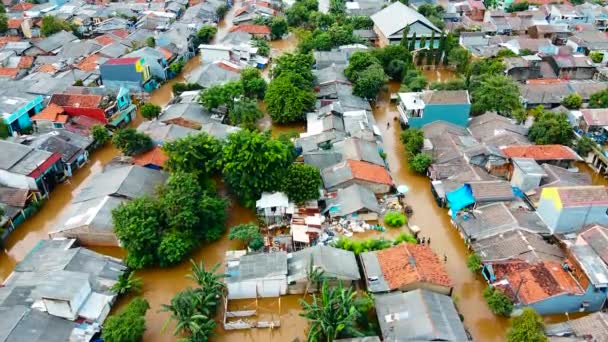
pixel 420 162
pixel 394 219
pixel 128 325
pixel 498 302
pixel 100 134
pixel 573 101
pixel 596 56
pixel 527 327
pixel 584 145
pixel 474 262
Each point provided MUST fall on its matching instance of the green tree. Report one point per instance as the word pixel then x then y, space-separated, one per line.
pixel 253 162
pixel 404 37
pixel 128 325
pixel 299 64
pixel 584 145
pixel 474 262
pixel 51 25
pixel 100 134
pixel 498 302
pixel 596 56
pixel 526 52
pixel 413 140
pixel 396 69
pixel 551 128
pixel 278 27
pixel 412 46
pixel 358 62
pixel 455 84
pixel 254 85
pixel 249 234
pixel 394 219
pixel 518 7
pixel 287 98
pixel 2 9
pixel 262 45
pixel 505 53
pixel 198 153
pixel 137 225
pixel 131 142
pixel 150 111
pixel 528 327
pixel 460 58
pixel 496 93
pixel 151 42
pixel 573 101
pixel 301 183
pixel 337 7
pixel 127 282
pixel 420 163
pixel 78 83
pixel 206 33
pixel 332 314
pixel 179 88
pixel 221 11
pixel 369 82
pixel 391 53
pixel 599 99
pixel 221 95
pixel 413 81
pixel 177 66
pixel 245 114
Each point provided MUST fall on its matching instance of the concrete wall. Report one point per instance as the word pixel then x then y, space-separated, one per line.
pixel 427 286
pixel 212 55
pixel 525 182
pixel 570 219
pixel 457 114
pixel 571 303
pixel 88 237
pixel 258 288
pixel 375 187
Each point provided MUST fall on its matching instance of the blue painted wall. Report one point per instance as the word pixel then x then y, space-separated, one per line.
pixel 457 114
pixel 21 116
pixel 571 303
pixel 571 219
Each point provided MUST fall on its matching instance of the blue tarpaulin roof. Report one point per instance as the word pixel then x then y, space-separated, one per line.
pixel 460 198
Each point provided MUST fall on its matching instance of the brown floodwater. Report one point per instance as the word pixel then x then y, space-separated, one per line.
pixel 439 75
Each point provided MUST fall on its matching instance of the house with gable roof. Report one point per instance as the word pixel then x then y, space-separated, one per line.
pixel 390 22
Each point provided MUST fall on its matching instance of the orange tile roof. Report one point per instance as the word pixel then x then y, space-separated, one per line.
pixel 227 67
pixel 48 68
pixel 15 23
pixel 4 40
pixel 122 33
pixel 369 172
pixel 536 281
pixel 168 54
pixel 155 156
pixel 62 118
pixel 240 11
pixel 22 6
pixel 105 40
pixel 251 28
pixel 540 152
pixel 50 113
pixel 407 264
pixel 89 63
pixel 194 2
pixel 25 62
pixel 9 72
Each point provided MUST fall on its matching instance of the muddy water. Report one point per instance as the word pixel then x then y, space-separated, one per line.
pixel 439 75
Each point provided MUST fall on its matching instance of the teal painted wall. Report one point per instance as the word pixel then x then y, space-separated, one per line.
pixel 457 114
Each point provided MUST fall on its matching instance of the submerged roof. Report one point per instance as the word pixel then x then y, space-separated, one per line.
pixel 419 315
pixel 541 152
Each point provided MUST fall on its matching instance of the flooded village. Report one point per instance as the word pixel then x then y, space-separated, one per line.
pixel 437 169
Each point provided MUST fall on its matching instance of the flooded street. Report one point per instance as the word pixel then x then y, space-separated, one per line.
pixel 160 284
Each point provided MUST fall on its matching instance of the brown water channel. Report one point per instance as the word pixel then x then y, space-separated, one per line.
pixel 161 284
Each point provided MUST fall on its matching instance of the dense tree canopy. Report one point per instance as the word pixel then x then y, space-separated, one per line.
pixel 358 62
pixel 100 134
pixel 413 140
pixel 254 85
pixel 131 142
pixel 420 162
pixel 278 27
pixel 498 302
pixel 573 101
pixel 551 128
pixel 495 93
pixel 206 33
pixel 3 23
pixel 254 162
pixel 249 234
pixel 150 111
pixel 301 183
pixel 599 99
pixel 221 95
pixel 300 64
pixel 288 98
pixel 196 154
pixel 370 81
pixel 128 325
pixel 52 24
pixel 245 114
pixel 460 58
pixel 528 327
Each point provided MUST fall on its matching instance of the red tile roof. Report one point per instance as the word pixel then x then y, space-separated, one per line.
pixel 596 116
pixel 407 264
pixel 122 33
pixel 369 172
pixel 15 23
pixel 76 100
pixel 9 72
pixel 25 62
pixel 49 113
pixel 168 54
pixel 576 196
pixel 39 171
pixel 228 67
pixel 22 6
pixel 535 281
pixel 240 11
pixel 48 68
pixel 540 152
pixel 124 60
pixel 251 28
pixel 155 156
pixel 89 63
pixel 105 40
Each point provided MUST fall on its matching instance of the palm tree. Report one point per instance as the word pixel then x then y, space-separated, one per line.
pixel 189 308
pixel 332 314
pixel 207 280
pixel 127 282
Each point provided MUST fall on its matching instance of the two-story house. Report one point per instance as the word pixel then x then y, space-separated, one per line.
pixel 390 22
pixel 419 109
pixel 17 111
pixel 566 14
